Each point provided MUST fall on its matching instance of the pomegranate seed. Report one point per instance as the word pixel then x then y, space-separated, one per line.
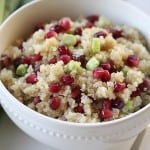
pixel 26 60
pixel 76 92
pixel 67 79
pixel 63 50
pixel 97 73
pixel 102 74
pixel 112 67
pixel 136 93
pixel 93 18
pixel 118 87
pixel 17 62
pixel 57 28
pixel 36 100
pixel 32 78
pixel 53 60
pixel 106 104
pixel 37 68
pixel 39 26
pixel 55 103
pixel 79 109
pixel 54 87
pixel 50 34
pixel 144 85
pixel 36 57
pixel 100 33
pixel 89 25
pixel 65 23
pixel 78 31
pixel 105 114
pixel 80 58
pixel 132 61
pixel 65 58
pixel 5 61
pixel 106 66
pixel 118 103
pixel 117 34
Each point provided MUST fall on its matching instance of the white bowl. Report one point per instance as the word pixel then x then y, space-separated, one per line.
pixel 67 135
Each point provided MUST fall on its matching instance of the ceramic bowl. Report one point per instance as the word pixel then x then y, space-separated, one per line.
pixel 60 134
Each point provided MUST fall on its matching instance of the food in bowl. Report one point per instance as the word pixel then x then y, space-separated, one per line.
pixel 88 70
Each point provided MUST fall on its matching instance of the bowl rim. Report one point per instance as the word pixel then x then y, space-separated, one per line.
pixel 68 123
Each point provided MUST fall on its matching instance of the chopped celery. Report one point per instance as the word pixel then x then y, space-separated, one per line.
pixel 92 63
pixel 73 66
pixel 129 105
pixel 96 45
pixel 69 40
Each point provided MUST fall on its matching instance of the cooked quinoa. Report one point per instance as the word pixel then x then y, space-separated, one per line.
pixel 88 70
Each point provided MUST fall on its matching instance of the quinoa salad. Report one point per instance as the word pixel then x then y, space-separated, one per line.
pixel 88 70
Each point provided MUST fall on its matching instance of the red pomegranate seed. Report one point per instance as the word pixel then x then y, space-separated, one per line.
pixel 106 104
pixel 100 33
pixel 5 61
pixel 132 61
pixel 102 74
pixel 39 26
pixel 53 60
pixel 76 92
pixel 57 28
pixel 117 34
pixel 105 114
pixel 98 73
pixel 54 87
pixel 63 50
pixel 32 78
pixel 67 79
pixel 118 103
pixel 79 109
pixel 36 57
pixel 80 58
pixel 36 100
pixel 136 93
pixel 55 103
pixel 65 58
pixel 89 25
pixel 118 87
pixel 93 18
pixel 78 31
pixel 106 66
pixel 26 60
pixel 50 34
pixel 144 85
pixel 65 24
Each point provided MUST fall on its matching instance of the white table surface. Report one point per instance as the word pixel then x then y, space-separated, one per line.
pixel 12 138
